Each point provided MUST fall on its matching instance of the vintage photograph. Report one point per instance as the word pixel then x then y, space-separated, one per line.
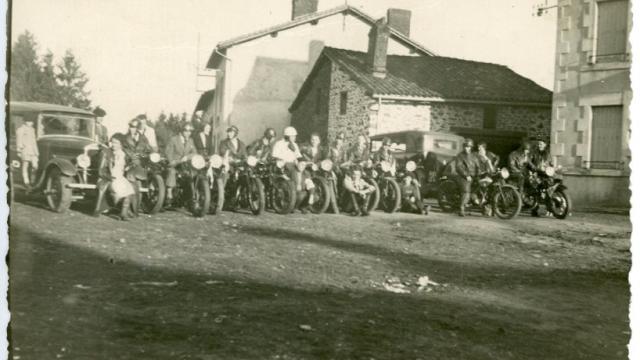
pixel 318 179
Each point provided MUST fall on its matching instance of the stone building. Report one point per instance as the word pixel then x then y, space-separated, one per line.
pixel 375 93
pixel 590 126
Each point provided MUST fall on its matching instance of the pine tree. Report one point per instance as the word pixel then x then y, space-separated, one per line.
pixel 25 75
pixel 72 81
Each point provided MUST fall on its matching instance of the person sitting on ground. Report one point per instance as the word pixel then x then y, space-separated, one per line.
pixel 359 191
pixel 411 198
pixel 27 149
pixel 112 168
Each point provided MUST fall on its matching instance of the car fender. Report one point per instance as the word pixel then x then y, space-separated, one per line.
pixel 65 166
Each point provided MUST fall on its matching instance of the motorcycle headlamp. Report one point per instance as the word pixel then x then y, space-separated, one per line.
pixel 410 166
pixel 368 163
pixel 83 161
pixel 154 157
pixel 385 166
pixel 15 163
pixel 215 161
pixel 280 164
pixel 326 165
pixel 550 171
pixel 504 173
pixel 197 162
pixel 314 167
pixel 252 161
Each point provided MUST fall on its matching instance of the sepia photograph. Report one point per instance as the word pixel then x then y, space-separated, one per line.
pixel 318 179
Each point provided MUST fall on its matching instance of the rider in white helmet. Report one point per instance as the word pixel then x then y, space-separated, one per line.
pixel 286 148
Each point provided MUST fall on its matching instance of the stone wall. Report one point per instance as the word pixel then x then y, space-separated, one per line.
pixel 446 116
pixel 306 118
pixel 400 116
pixel 356 120
pixel 535 121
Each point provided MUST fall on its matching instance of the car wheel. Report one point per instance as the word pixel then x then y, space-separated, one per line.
pixel 58 194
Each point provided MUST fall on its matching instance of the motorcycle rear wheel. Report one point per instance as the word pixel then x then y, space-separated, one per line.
pixel 560 204
pixel 255 195
pixel 390 195
pixel 283 195
pixel 322 196
pixel 152 200
pixel 506 202
pixel 201 198
pixel 374 199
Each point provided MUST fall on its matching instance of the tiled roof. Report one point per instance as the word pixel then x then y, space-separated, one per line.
pixel 440 77
pixel 215 58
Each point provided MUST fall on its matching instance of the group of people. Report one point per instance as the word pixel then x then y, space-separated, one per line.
pixel 469 165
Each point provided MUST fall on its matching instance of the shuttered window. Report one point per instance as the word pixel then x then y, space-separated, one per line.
pixel 606 137
pixel 612 31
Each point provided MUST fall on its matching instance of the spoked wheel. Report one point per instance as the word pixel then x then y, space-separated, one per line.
pixel 283 195
pixel 255 196
pixel 448 196
pixel 374 199
pixel 201 197
pixel 322 197
pixel 506 202
pixel 58 194
pixel 560 204
pixel 217 196
pixel 152 199
pixel 390 195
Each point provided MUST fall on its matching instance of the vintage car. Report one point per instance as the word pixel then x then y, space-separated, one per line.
pixel 429 150
pixel 68 149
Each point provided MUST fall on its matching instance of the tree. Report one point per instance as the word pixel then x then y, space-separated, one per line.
pixel 26 76
pixel 72 81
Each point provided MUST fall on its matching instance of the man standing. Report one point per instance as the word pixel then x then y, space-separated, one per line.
pixel 179 149
pixel 27 148
pixel 101 130
pixel 148 132
pixel 466 169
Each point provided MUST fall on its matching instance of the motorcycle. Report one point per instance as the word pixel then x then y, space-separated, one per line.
pixel 544 186
pixel 326 173
pixel 487 191
pixel 193 191
pixel 150 183
pixel 215 174
pixel 388 194
pixel 280 191
pixel 244 188
pixel 323 192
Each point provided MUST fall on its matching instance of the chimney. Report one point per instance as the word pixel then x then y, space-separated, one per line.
pixel 377 53
pixel 400 19
pixel 315 49
pixel 303 7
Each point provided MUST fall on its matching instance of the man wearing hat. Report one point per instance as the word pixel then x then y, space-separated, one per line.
pixel 466 169
pixel 101 130
pixel 179 149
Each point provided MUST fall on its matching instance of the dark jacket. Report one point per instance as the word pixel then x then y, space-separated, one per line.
pixel 135 148
pixel 519 162
pixel 466 165
pixel 260 150
pixel 355 155
pixel 175 149
pixel 491 159
pixel 308 156
pixel 541 159
pixel 338 154
pixel 235 154
pixel 203 148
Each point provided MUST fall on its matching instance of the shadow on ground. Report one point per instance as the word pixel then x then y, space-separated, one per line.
pixel 70 302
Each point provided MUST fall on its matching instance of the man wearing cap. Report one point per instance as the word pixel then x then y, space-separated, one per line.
pixel 179 149
pixel 147 131
pixel 261 148
pixel 232 150
pixel 466 169
pixel 101 130
pixel 359 191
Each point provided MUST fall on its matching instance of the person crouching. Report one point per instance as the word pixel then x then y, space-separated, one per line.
pixel 411 198
pixel 305 188
pixel 359 192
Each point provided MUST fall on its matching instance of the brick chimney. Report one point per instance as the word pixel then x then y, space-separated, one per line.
pixel 315 49
pixel 400 19
pixel 377 53
pixel 303 7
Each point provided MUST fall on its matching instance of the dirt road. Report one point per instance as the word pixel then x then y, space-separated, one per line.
pixel 236 286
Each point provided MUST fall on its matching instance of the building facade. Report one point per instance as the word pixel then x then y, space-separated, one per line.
pixel 341 95
pixel 590 126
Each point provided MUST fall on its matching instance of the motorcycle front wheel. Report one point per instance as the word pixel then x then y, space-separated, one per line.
pixel 217 196
pixel 322 196
pixel 390 195
pixel 201 197
pixel 283 195
pixel 374 199
pixel 506 202
pixel 151 201
pixel 560 204
pixel 255 195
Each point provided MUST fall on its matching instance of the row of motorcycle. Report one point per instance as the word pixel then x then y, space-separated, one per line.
pixel 206 186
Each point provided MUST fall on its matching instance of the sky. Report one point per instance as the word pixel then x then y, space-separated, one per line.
pixel 142 56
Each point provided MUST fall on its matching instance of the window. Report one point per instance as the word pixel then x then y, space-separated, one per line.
pixel 489 117
pixel 51 124
pixel 606 137
pixel 318 101
pixel 343 103
pixel 611 40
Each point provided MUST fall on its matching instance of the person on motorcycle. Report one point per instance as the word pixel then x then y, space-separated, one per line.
pixel 287 150
pixel 136 144
pixel 384 153
pixel 232 150
pixel 305 188
pixel 261 148
pixel 360 152
pixel 314 152
pixel 338 154
pixel 520 163
pixel 359 191
pixel 203 140
pixel 487 160
pixel 179 149
pixel 112 168
pixel 466 169
pixel 541 157
pixel 411 198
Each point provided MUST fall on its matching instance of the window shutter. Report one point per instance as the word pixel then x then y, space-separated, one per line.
pixel 612 29
pixel 606 136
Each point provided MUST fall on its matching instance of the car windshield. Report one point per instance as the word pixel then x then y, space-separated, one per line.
pixel 59 124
